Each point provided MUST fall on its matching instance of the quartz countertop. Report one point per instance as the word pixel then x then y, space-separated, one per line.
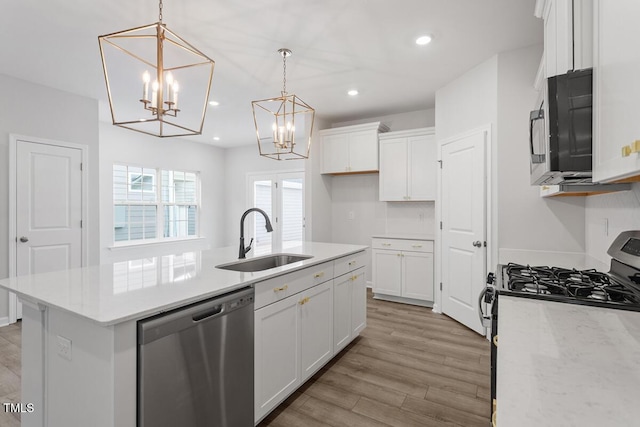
pixel 404 236
pixel 140 287
pixel 562 364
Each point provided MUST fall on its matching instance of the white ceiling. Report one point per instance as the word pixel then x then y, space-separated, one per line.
pixel 337 45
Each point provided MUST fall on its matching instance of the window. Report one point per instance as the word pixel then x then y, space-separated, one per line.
pixel 144 210
pixel 281 196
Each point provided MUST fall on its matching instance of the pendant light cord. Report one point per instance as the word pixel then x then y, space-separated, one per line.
pixel 160 11
pixel 284 74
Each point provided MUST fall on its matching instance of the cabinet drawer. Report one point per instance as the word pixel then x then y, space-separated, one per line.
pixel 278 288
pixel 349 263
pixel 403 245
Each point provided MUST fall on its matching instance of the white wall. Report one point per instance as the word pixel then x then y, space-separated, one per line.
pixel 118 145
pixel 621 211
pixel 34 110
pixel 527 221
pixel 401 121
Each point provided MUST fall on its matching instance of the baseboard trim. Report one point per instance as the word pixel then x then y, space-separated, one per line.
pixel 4 321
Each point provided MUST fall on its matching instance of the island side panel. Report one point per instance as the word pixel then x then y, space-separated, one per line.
pixel 79 391
pixel 125 374
pixel 33 327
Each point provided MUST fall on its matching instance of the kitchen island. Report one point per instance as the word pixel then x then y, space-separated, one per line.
pixel 79 328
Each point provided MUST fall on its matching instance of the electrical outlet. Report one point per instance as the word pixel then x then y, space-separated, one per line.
pixel 64 347
pixel 351 215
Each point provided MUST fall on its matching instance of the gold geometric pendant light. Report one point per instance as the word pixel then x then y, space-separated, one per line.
pixel 284 124
pixel 145 69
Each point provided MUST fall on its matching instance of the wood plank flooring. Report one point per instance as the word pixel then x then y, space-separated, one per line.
pixel 10 344
pixel 410 367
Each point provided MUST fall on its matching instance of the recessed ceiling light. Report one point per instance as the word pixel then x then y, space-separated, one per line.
pixel 216 138
pixel 214 103
pixel 422 40
pixel 352 92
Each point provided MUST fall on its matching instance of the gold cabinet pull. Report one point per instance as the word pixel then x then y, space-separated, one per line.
pixel 495 340
pixel 284 288
pixel 545 187
pixel 352 263
pixel 353 278
pixel 626 151
pixel 416 246
pixel 304 300
pixel 319 275
pixel 386 244
pixel 635 146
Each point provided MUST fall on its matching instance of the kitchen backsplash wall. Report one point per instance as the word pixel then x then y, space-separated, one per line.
pixel 606 216
pixel 411 218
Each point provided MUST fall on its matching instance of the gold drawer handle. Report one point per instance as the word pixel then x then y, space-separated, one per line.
pixel 304 300
pixel 319 275
pixel 386 244
pixel 416 246
pixel 352 263
pixel 495 340
pixel 353 278
pixel 635 146
pixel 284 288
pixel 626 151
pixel 545 187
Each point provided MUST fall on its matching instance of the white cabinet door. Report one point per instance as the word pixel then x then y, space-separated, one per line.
pixel 358 302
pixel 363 151
pixel 341 311
pixel 315 307
pixel 616 89
pixel 558 37
pixel 393 169
pixel 387 274
pixel 422 173
pixel 417 280
pixel 334 153
pixel 277 357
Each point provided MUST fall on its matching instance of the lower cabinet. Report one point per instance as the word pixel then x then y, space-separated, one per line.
pixel 403 269
pixel 350 308
pixel 298 334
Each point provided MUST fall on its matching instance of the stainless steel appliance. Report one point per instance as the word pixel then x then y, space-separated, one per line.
pixel 617 289
pixel 560 131
pixel 195 364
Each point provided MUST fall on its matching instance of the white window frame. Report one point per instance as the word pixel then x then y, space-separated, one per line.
pixel 158 203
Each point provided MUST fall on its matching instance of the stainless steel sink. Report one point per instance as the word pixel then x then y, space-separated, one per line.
pixel 263 263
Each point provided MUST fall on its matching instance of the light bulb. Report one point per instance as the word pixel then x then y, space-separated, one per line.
pixel 169 78
pixel 146 77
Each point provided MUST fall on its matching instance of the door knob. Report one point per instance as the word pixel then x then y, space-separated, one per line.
pixel 477 244
pixel 24 239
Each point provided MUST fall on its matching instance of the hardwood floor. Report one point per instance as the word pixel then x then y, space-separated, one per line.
pixel 409 367
pixel 10 343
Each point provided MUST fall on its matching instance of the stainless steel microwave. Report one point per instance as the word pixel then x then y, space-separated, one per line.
pixel 560 131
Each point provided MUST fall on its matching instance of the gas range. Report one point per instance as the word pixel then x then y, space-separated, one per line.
pixel 588 287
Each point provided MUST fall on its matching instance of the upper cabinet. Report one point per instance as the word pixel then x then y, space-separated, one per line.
pixel 616 90
pixel 568 35
pixel 351 149
pixel 408 161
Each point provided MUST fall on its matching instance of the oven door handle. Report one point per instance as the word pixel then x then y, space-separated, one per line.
pixel 485 321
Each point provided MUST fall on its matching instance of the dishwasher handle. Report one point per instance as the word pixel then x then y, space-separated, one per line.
pixel 206 314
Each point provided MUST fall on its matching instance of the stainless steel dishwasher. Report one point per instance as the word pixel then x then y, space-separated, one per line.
pixel 195 364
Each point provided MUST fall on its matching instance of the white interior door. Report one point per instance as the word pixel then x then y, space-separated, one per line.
pixel 463 201
pixel 48 207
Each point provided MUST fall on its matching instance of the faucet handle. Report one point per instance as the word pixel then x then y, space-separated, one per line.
pixel 248 248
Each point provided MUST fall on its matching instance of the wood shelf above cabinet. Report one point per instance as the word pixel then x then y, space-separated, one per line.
pixel 351 149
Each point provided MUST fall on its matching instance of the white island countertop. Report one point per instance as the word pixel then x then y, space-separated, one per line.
pixel 136 288
pixel 562 364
